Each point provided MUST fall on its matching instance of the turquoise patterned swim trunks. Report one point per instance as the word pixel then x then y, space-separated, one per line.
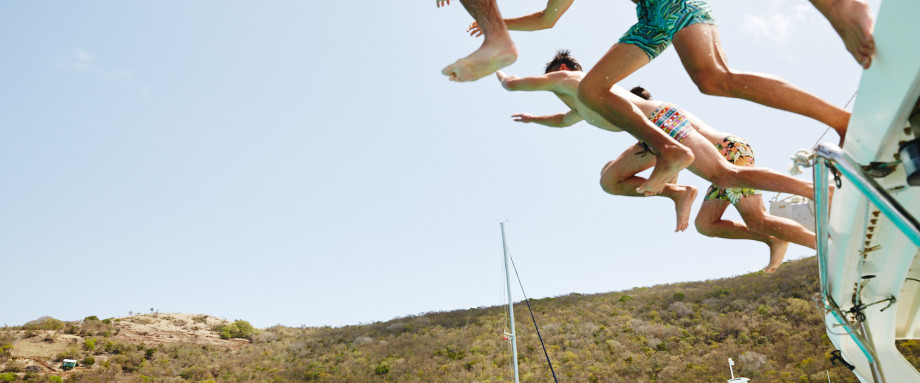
pixel 659 20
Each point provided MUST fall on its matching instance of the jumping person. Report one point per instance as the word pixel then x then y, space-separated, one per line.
pixel 691 27
pixel 563 76
pixel 759 225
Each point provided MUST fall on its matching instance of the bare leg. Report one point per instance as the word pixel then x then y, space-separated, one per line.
pixel 709 222
pixel 852 21
pixel 497 50
pixel 594 91
pixel 619 178
pixel 712 166
pixel 700 51
pixel 757 219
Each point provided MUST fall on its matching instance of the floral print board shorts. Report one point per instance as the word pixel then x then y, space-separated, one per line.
pixel 659 20
pixel 738 152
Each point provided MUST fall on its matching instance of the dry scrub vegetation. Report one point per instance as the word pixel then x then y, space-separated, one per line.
pixel 769 324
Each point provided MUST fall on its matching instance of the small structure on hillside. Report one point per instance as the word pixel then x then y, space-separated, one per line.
pixel 68 364
pixel 734 379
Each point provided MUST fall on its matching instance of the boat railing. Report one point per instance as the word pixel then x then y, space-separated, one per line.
pixel 828 156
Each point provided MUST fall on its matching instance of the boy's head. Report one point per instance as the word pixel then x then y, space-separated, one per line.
pixel 641 92
pixel 563 61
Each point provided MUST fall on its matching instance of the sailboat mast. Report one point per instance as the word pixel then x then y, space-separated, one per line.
pixel 514 358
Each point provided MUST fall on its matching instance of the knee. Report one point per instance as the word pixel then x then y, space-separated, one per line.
pixel 589 91
pixel 610 181
pixel 610 185
pixel 704 226
pixel 723 180
pixel 713 82
pixel 755 219
pixel 727 176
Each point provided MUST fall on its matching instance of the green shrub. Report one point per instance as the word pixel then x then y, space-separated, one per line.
pixel 56 379
pixel 719 293
pixel 91 318
pixel 195 373
pixel 88 361
pixel 89 344
pixel 238 329
pixel 13 367
pixel 382 369
pixel 7 377
pixel 44 323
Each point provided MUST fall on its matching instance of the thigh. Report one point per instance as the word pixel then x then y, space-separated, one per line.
pixel 708 162
pixel 620 61
pixel 628 164
pixel 711 210
pixel 751 207
pixel 700 49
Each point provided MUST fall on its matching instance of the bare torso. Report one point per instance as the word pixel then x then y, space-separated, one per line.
pixel 567 89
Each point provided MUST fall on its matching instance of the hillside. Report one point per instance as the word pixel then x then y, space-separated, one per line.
pixel 769 324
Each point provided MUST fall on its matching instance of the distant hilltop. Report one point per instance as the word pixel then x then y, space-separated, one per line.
pixel 684 332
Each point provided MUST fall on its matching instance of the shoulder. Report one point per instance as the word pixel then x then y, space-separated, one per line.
pixel 566 81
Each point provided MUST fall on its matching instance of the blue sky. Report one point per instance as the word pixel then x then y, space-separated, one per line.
pixel 305 163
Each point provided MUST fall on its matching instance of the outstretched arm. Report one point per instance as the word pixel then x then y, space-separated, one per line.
pixel 544 19
pixel 559 120
pixel 547 81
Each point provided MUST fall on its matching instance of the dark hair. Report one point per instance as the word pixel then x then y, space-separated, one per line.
pixel 563 56
pixel 641 92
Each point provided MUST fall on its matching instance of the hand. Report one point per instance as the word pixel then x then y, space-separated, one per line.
pixel 442 3
pixel 501 78
pixel 505 79
pixel 474 29
pixel 524 117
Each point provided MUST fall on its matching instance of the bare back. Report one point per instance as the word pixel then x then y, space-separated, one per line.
pixel 567 89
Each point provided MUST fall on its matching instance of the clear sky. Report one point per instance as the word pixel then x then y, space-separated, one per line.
pixel 305 162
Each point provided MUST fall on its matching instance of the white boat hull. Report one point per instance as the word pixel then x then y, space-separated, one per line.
pixel 862 241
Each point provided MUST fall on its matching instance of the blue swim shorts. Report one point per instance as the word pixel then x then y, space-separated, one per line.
pixel 659 20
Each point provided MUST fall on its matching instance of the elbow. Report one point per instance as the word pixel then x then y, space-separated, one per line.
pixel 548 20
pixel 510 85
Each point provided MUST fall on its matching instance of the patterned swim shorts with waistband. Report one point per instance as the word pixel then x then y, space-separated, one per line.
pixel 672 120
pixel 738 152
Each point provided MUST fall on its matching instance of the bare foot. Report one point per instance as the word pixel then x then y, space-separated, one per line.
pixel 852 21
pixel 671 160
pixel 777 253
pixel 683 200
pixel 493 55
